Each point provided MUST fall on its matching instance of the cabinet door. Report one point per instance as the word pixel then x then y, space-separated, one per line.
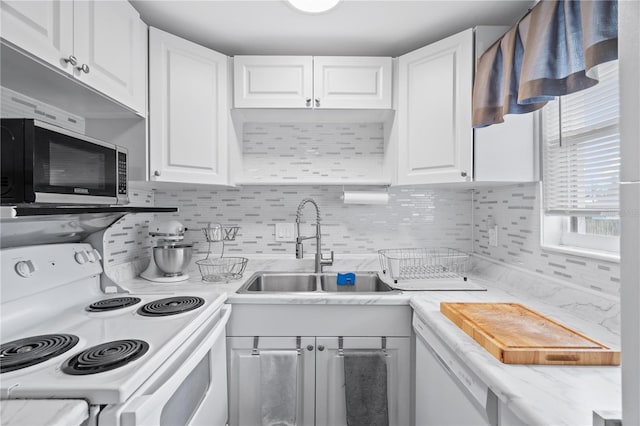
pixel 434 112
pixel 273 81
pixel 111 40
pixel 440 399
pixel 330 385
pixel 351 82
pixel 188 111
pixel 244 378
pixel 42 28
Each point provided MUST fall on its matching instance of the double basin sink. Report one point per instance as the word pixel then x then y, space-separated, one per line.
pixel 283 282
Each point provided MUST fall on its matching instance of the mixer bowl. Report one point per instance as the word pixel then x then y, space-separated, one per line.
pixel 172 259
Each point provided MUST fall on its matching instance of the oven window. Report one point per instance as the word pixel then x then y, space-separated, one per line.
pixel 67 165
pixel 187 399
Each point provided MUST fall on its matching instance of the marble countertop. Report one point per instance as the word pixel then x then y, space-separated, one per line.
pixel 41 412
pixel 539 395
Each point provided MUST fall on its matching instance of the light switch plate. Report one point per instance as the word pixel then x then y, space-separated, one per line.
pixel 285 232
pixel 493 236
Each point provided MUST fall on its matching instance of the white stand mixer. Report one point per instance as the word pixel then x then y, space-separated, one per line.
pixel 169 258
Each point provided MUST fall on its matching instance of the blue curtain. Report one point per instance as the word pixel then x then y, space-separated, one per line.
pixel 553 51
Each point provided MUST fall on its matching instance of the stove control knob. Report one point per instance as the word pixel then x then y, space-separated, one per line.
pixel 25 268
pixel 81 257
pixel 91 256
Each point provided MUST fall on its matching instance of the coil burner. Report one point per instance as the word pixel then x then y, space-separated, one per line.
pixel 33 350
pixel 105 357
pixel 112 304
pixel 171 306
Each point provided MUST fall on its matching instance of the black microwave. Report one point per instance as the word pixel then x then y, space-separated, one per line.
pixel 43 163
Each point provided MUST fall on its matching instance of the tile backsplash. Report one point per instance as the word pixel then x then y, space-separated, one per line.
pixel 516 211
pixel 299 152
pixel 416 216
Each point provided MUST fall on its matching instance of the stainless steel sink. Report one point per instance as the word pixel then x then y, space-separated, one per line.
pixel 366 282
pixel 284 282
pixel 280 282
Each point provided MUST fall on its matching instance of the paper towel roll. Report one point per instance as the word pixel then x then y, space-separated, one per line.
pixel 365 197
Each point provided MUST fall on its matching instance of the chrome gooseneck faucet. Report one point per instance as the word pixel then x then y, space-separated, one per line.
pixel 319 260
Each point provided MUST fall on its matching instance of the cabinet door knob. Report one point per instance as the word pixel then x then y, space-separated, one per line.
pixel 156 173
pixel 463 174
pixel 310 348
pixel 321 348
pixel 84 68
pixel 308 102
pixel 317 102
pixel 71 60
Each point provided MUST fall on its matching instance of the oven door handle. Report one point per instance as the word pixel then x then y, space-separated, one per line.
pixel 143 410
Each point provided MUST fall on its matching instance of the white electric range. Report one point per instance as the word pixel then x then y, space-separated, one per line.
pixel 135 359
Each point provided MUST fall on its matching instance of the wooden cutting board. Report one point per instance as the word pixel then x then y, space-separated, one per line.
pixel 516 334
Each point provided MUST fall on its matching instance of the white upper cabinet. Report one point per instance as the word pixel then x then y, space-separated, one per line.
pixel 111 40
pixel 435 138
pixel 188 111
pixel 352 82
pixel 42 28
pixel 102 43
pixel 312 82
pixel 273 81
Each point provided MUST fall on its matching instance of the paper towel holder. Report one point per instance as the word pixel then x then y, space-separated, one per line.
pixel 365 197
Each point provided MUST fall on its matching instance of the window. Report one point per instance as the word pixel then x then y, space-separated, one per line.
pixel 581 168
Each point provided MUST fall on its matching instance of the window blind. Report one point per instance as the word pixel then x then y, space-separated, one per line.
pixel 581 149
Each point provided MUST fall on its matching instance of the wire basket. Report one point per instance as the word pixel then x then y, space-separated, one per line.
pixel 222 269
pixel 424 263
pixel 214 232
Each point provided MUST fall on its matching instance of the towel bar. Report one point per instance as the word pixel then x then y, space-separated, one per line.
pixel 383 346
pixel 256 341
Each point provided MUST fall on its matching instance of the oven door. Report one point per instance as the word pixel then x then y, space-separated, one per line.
pixel 189 389
pixel 72 168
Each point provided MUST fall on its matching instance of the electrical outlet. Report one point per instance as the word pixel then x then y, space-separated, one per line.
pixel 493 236
pixel 285 232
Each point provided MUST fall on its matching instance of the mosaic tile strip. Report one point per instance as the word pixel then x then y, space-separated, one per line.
pixel 415 216
pixel 311 151
pixel 128 239
pixel 516 211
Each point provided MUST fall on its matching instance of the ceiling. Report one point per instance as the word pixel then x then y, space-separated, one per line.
pixel 353 27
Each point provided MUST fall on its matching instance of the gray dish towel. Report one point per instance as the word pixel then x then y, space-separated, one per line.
pixel 279 387
pixel 365 377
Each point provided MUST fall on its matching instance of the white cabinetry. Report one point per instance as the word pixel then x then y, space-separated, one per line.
pixel 312 82
pixel 188 111
pixel 321 394
pixel 111 40
pixel 273 81
pixel 330 384
pixel 352 82
pixel 244 378
pixel 103 44
pixel 436 142
pixel 434 112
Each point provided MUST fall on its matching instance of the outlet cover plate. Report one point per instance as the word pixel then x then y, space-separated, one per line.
pixel 285 232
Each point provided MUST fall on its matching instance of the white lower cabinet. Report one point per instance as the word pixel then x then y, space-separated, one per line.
pixel 330 382
pixel 245 378
pixel 321 383
pixel 315 329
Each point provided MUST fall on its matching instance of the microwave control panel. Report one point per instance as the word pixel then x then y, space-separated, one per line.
pixel 122 173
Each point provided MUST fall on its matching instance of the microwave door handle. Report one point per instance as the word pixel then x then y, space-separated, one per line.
pixel 143 410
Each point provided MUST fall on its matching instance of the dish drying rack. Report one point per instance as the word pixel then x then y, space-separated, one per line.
pixel 424 263
pixel 221 268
